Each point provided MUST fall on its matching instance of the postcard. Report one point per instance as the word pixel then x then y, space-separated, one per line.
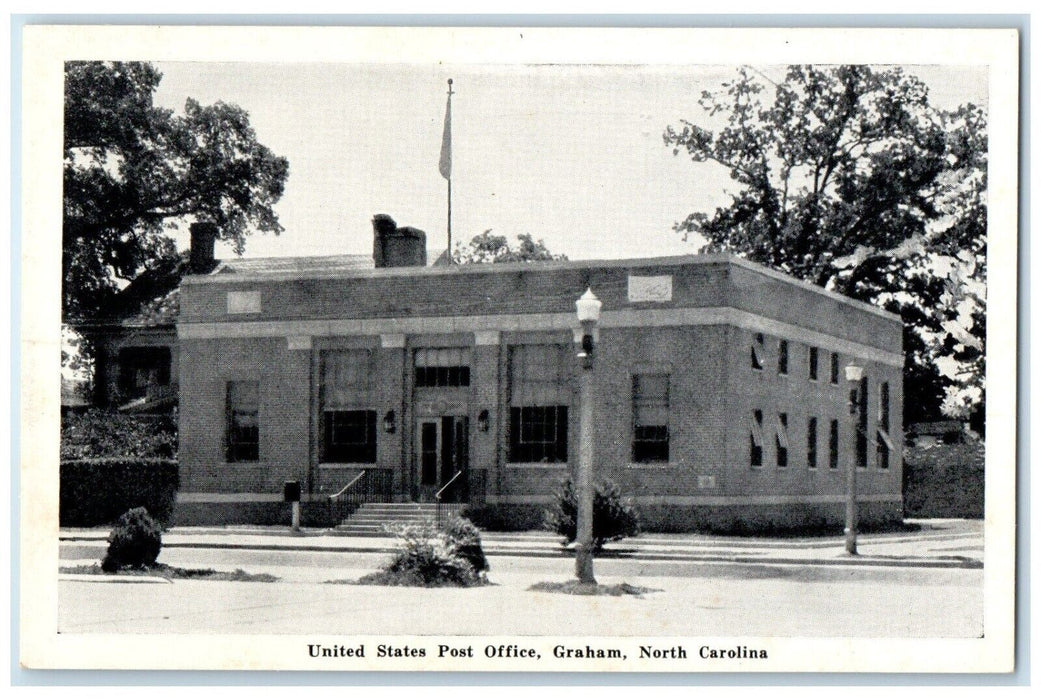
pixel 518 349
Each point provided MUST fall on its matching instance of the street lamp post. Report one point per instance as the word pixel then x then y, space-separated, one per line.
pixel 854 375
pixel 588 310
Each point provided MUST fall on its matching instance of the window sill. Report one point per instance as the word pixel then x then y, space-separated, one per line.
pixel 537 465
pixel 650 465
pixel 347 465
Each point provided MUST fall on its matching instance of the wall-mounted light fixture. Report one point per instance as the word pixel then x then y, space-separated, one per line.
pixel 482 421
pixel 390 422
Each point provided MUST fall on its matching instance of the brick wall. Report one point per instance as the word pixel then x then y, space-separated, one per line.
pixel 712 391
pixel 285 391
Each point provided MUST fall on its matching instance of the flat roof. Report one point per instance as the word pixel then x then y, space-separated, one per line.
pixel 270 272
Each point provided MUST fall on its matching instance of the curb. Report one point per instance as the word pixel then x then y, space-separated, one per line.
pixel 842 560
pixel 112 578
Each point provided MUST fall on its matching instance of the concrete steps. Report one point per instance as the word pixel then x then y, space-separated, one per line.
pixel 374 519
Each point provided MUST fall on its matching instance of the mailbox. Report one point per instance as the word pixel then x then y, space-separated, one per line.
pixel 291 492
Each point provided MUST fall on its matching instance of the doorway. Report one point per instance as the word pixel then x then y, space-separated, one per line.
pixel 442 452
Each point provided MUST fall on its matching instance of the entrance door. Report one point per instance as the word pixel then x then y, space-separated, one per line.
pixel 442 451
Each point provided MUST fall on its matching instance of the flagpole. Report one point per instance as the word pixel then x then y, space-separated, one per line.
pixel 448 137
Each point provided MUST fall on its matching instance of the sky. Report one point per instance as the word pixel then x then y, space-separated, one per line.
pixel 572 155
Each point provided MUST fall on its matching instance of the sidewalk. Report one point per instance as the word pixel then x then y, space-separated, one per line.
pixel 937 544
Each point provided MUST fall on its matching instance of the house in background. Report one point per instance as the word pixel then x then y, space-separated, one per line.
pixel 721 395
pixel 942 432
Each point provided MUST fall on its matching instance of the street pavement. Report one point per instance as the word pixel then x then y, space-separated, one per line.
pixel 927 583
pixel 935 543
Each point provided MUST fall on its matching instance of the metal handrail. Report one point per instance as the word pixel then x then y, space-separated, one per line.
pixel 437 496
pixel 351 483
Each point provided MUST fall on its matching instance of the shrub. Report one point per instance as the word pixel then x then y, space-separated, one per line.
pixel 614 518
pixel 97 491
pixel 465 538
pixel 432 557
pixel 135 542
pixel 99 433
pixel 944 481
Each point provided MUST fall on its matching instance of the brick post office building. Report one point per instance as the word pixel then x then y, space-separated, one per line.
pixel 721 398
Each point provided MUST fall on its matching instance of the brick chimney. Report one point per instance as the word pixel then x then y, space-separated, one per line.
pixel 204 235
pixel 397 247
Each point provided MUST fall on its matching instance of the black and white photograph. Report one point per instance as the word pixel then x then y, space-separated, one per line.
pixel 518 350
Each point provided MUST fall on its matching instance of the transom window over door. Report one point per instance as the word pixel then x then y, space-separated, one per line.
pixel 650 418
pixel 348 424
pixel 442 367
pixel 540 392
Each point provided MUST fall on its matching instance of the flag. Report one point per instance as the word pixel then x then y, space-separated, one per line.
pixel 445 166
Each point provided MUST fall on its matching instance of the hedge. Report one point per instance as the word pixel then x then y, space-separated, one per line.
pixel 98 491
pixel 944 481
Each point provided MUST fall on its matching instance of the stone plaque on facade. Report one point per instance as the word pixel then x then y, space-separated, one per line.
pixel 243 302
pixel 657 288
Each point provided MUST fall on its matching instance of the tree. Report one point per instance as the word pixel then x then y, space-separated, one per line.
pixel 849 179
pixel 134 171
pixel 488 248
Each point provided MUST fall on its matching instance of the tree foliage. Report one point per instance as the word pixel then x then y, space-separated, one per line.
pixel 133 171
pixel 848 178
pixel 489 248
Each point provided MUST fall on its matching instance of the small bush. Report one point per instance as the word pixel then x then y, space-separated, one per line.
pixel 613 517
pixel 97 491
pixel 466 540
pixel 135 542
pixel 432 557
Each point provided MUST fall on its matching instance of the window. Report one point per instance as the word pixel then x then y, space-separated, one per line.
pixel 813 364
pixel 833 445
pixel 650 418
pixel 782 440
pixel 756 439
pixel 834 368
pixel 350 436
pixel 540 391
pixel 782 357
pixel 348 422
pixel 811 443
pixel 243 425
pixel 885 443
pixel 757 352
pixel 862 424
pixel 538 434
pixel 142 371
pixel 442 367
